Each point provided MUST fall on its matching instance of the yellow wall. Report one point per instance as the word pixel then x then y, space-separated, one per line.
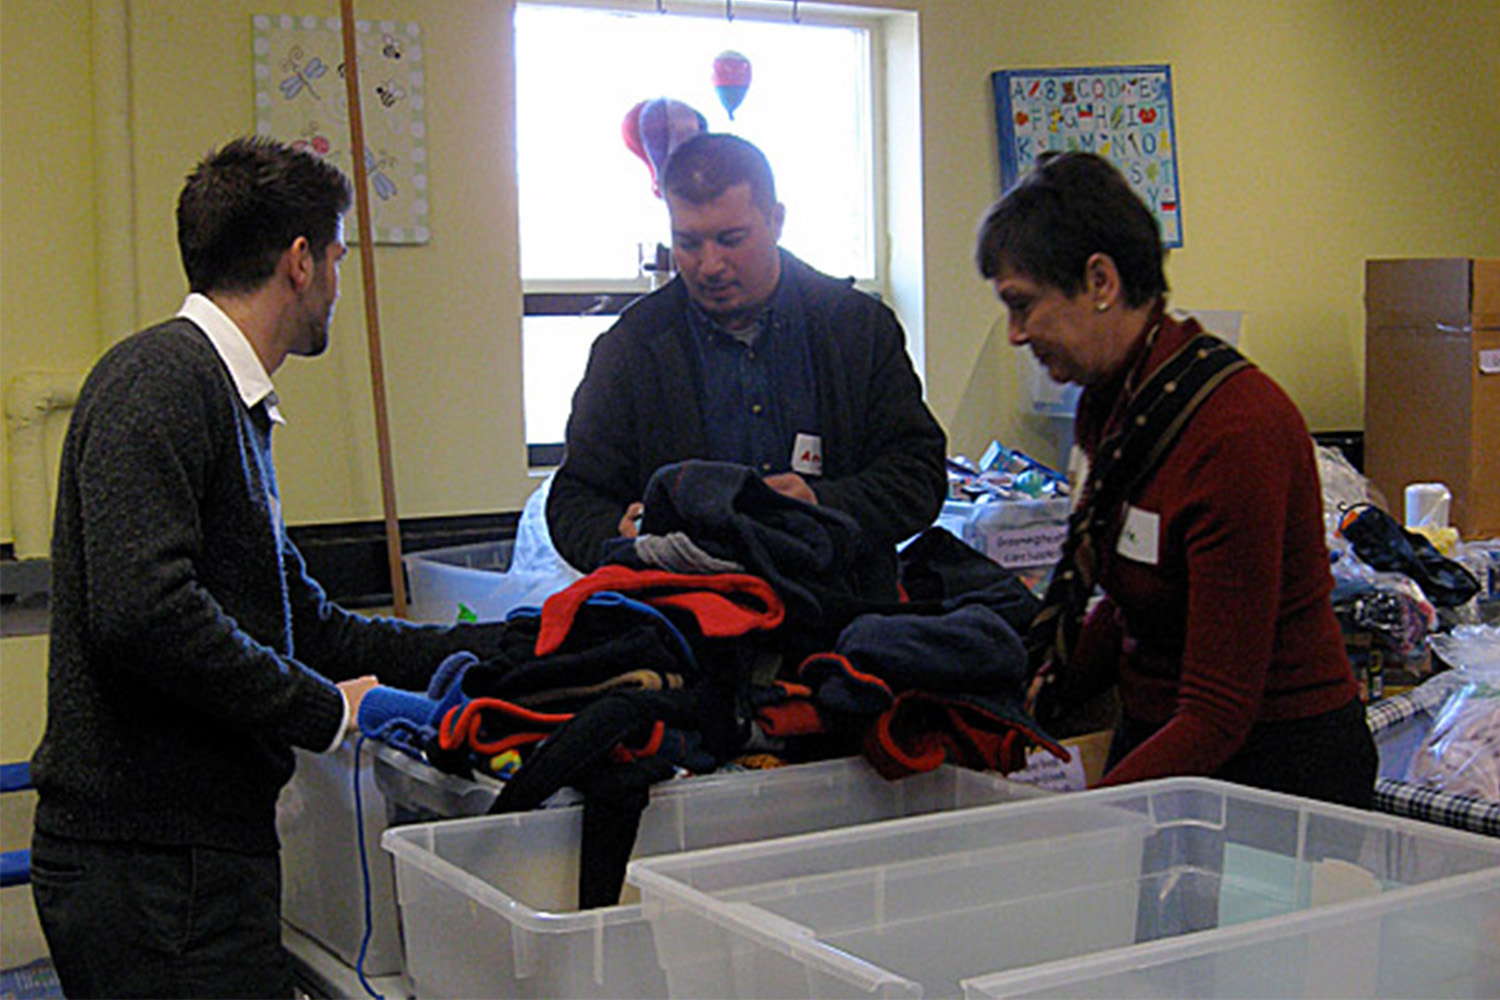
pixel 1312 134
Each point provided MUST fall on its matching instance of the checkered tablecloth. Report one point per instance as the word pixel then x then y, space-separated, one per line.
pixel 1400 798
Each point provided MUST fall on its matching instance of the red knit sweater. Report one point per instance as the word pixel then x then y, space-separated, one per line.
pixel 1217 615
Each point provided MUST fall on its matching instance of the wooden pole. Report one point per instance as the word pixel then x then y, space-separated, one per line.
pixel 372 308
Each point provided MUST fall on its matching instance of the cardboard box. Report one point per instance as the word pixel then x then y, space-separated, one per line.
pixel 1432 383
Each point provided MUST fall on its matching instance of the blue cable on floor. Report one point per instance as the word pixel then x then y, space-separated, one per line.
pixel 364 871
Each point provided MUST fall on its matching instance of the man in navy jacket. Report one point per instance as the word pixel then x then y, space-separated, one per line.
pixel 753 357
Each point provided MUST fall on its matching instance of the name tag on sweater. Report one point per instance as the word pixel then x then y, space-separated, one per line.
pixel 807 455
pixel 1140 538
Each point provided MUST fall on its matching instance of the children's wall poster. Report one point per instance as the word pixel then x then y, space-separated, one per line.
pixel 301 98
pixel 1123 113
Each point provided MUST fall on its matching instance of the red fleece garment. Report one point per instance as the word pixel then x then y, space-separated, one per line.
pixel 724 604
pixel 1218 617
pixel 922 730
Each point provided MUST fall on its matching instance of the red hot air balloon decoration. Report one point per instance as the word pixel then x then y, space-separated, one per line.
pixel 630 131
pixel 731 79
pixel 665 124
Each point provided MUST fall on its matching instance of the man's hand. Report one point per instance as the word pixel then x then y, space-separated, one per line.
pixel 630 524
pixel 354 693
pixel 792 485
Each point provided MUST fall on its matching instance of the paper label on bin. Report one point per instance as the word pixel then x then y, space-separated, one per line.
pixel 1043 770
pixel 1489 362
pixel 1021 548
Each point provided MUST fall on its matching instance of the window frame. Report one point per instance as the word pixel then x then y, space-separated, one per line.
pixel 609 296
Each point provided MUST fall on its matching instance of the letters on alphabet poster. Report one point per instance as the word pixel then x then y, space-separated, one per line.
pixel 1123 113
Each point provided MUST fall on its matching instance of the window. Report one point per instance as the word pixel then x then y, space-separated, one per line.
pixel 588 217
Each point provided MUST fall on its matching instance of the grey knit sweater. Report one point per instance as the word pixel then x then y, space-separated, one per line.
pixel 190 651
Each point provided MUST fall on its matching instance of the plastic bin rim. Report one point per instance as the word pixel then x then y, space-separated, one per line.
pixel 426 555
pixel 403 842
pixel 644 868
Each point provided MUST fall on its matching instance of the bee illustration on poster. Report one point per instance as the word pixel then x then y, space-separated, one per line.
pixel 301 98
pixel 1123 113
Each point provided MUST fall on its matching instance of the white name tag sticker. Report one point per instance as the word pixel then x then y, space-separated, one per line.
pixel 1140 539
pixel 807 455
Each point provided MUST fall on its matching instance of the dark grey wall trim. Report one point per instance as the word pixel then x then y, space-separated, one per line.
pixel 348 559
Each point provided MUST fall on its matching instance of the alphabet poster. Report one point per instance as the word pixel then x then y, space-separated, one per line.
pixel 1123 113
pixel 301 98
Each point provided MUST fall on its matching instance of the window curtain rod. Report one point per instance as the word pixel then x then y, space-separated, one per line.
pixel 661 8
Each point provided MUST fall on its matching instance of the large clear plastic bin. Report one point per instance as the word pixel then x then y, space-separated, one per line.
pixel 1178 871
pixel 444 582
pixel 322 884
pixel 489 905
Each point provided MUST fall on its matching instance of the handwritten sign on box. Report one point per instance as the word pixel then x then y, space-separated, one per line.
pixel 1123 113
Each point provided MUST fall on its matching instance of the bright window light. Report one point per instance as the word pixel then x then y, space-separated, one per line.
pixel 588 216
pixel 585 199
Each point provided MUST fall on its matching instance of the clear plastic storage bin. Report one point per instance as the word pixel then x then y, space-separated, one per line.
pixel 322 884
pixel 489 905
pixel 1215 888
pixel 442 581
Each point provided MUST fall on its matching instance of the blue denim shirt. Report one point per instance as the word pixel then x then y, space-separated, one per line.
pixel 758 397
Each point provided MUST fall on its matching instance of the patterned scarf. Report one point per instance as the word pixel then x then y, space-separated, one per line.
pixel 1154 415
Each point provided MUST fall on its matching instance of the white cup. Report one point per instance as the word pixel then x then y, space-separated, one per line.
pixel 1427 505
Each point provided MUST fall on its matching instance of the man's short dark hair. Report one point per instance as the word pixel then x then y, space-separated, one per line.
pixel 710 163
pixel 244 204
pixel 1069 207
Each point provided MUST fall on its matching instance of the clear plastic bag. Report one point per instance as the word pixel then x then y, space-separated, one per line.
pixel 1343 486
pixel 537 570
pixel 1461 753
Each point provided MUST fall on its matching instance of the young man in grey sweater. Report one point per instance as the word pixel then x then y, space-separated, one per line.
pixel 190 650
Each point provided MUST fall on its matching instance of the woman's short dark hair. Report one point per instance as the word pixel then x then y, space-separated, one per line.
pixel 245 203
pixel 711 163
pixel 1069 207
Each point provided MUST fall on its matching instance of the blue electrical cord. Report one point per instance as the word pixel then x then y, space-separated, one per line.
pixel 364 871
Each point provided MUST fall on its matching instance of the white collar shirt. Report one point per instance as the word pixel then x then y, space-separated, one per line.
pixel 233 347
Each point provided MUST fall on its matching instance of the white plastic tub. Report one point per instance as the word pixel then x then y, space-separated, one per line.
pixel 322 885
pixel 462 579
pixel 489 905
pixel 975 902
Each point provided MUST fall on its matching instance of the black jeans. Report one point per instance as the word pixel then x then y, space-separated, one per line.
pixel 138 920
pixel 1330 757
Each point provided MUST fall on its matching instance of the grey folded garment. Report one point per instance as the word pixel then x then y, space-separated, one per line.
pixel 678 553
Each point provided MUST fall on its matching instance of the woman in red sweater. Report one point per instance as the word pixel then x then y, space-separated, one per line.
pixel 1196 575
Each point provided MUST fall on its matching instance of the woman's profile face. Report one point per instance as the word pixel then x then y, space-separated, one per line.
pixel 1062 331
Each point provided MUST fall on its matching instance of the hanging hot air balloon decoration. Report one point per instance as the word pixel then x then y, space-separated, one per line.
pixel 731 79
pixel 653 129
pixel 630 131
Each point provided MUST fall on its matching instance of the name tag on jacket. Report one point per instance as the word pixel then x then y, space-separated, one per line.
pixel 807 455
pixel 1140 538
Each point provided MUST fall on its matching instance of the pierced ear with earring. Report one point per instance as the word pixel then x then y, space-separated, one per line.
pixel 1101 307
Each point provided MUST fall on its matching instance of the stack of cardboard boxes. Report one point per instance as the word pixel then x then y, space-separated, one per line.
pixel 1432 384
